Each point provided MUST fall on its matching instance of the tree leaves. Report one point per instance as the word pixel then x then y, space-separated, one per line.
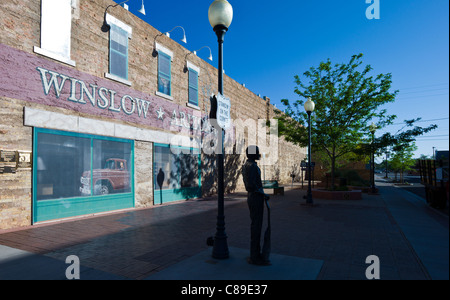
pixel 346 99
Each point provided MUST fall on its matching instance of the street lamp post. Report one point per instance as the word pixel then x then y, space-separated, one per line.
pixel 309 107
pixel 220 15
pixel 372 129
pixel 387 156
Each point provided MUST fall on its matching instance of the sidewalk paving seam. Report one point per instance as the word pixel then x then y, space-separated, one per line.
pixel 408 243
pixel 423 230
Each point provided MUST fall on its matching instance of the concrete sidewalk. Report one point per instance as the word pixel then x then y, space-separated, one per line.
pixel 203 267
pixel 328 241
pixel 426 229
pixel 17 264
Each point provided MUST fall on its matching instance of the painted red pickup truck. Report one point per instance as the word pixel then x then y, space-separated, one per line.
pixel 113 177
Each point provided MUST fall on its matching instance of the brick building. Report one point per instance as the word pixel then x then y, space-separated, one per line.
pixel 94 121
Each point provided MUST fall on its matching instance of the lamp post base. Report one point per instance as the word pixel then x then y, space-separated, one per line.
pixel 220 248
pixel 309 200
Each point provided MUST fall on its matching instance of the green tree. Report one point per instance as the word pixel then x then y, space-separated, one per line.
pixel 389 142
pixel 347 97
pixel 402 159
pixel 402 138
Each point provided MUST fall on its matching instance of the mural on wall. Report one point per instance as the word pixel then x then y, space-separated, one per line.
pixel 42 81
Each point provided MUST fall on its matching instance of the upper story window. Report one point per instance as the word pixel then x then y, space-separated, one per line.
pixel 165 57
pixel 56 26
pixel 118 52
pixel 119 34
pixel 194 72
pixel 164 78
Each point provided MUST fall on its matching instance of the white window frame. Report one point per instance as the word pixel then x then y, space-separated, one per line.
pixel 112 20
pixel 190 65
pixel 56 27
pixel 161 48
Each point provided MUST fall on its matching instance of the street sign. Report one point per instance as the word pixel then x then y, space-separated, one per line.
pixel 223 111
pixel 304 165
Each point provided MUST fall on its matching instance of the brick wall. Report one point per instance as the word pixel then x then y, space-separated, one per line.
pixel 143 161
pixel 20 29
pixel 89 49
pixel 15 188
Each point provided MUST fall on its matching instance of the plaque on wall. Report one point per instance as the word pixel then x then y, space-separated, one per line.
pixel 24 159
pixel 8 161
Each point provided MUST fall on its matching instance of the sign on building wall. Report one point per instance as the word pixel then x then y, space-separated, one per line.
pixel 8 161
pixel 45 82
pixel 11 160
pixel 24 159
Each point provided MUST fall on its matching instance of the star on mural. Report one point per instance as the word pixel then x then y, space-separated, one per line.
pixel 160 113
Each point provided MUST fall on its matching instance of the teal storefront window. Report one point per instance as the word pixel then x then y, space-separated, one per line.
pixel 177 173
pixel 76 174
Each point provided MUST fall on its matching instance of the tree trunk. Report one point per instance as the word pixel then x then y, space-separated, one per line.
pixel 333 161
pixel 401 176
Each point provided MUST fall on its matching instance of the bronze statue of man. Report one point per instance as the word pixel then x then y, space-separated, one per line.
pixel 251 174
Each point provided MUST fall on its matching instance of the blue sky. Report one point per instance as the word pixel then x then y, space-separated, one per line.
pixel 269 42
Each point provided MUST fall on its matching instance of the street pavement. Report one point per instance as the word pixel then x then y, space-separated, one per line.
pixel 333 239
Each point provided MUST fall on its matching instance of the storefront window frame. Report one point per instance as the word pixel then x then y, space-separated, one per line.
pixel 39 205
pixel 171 194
